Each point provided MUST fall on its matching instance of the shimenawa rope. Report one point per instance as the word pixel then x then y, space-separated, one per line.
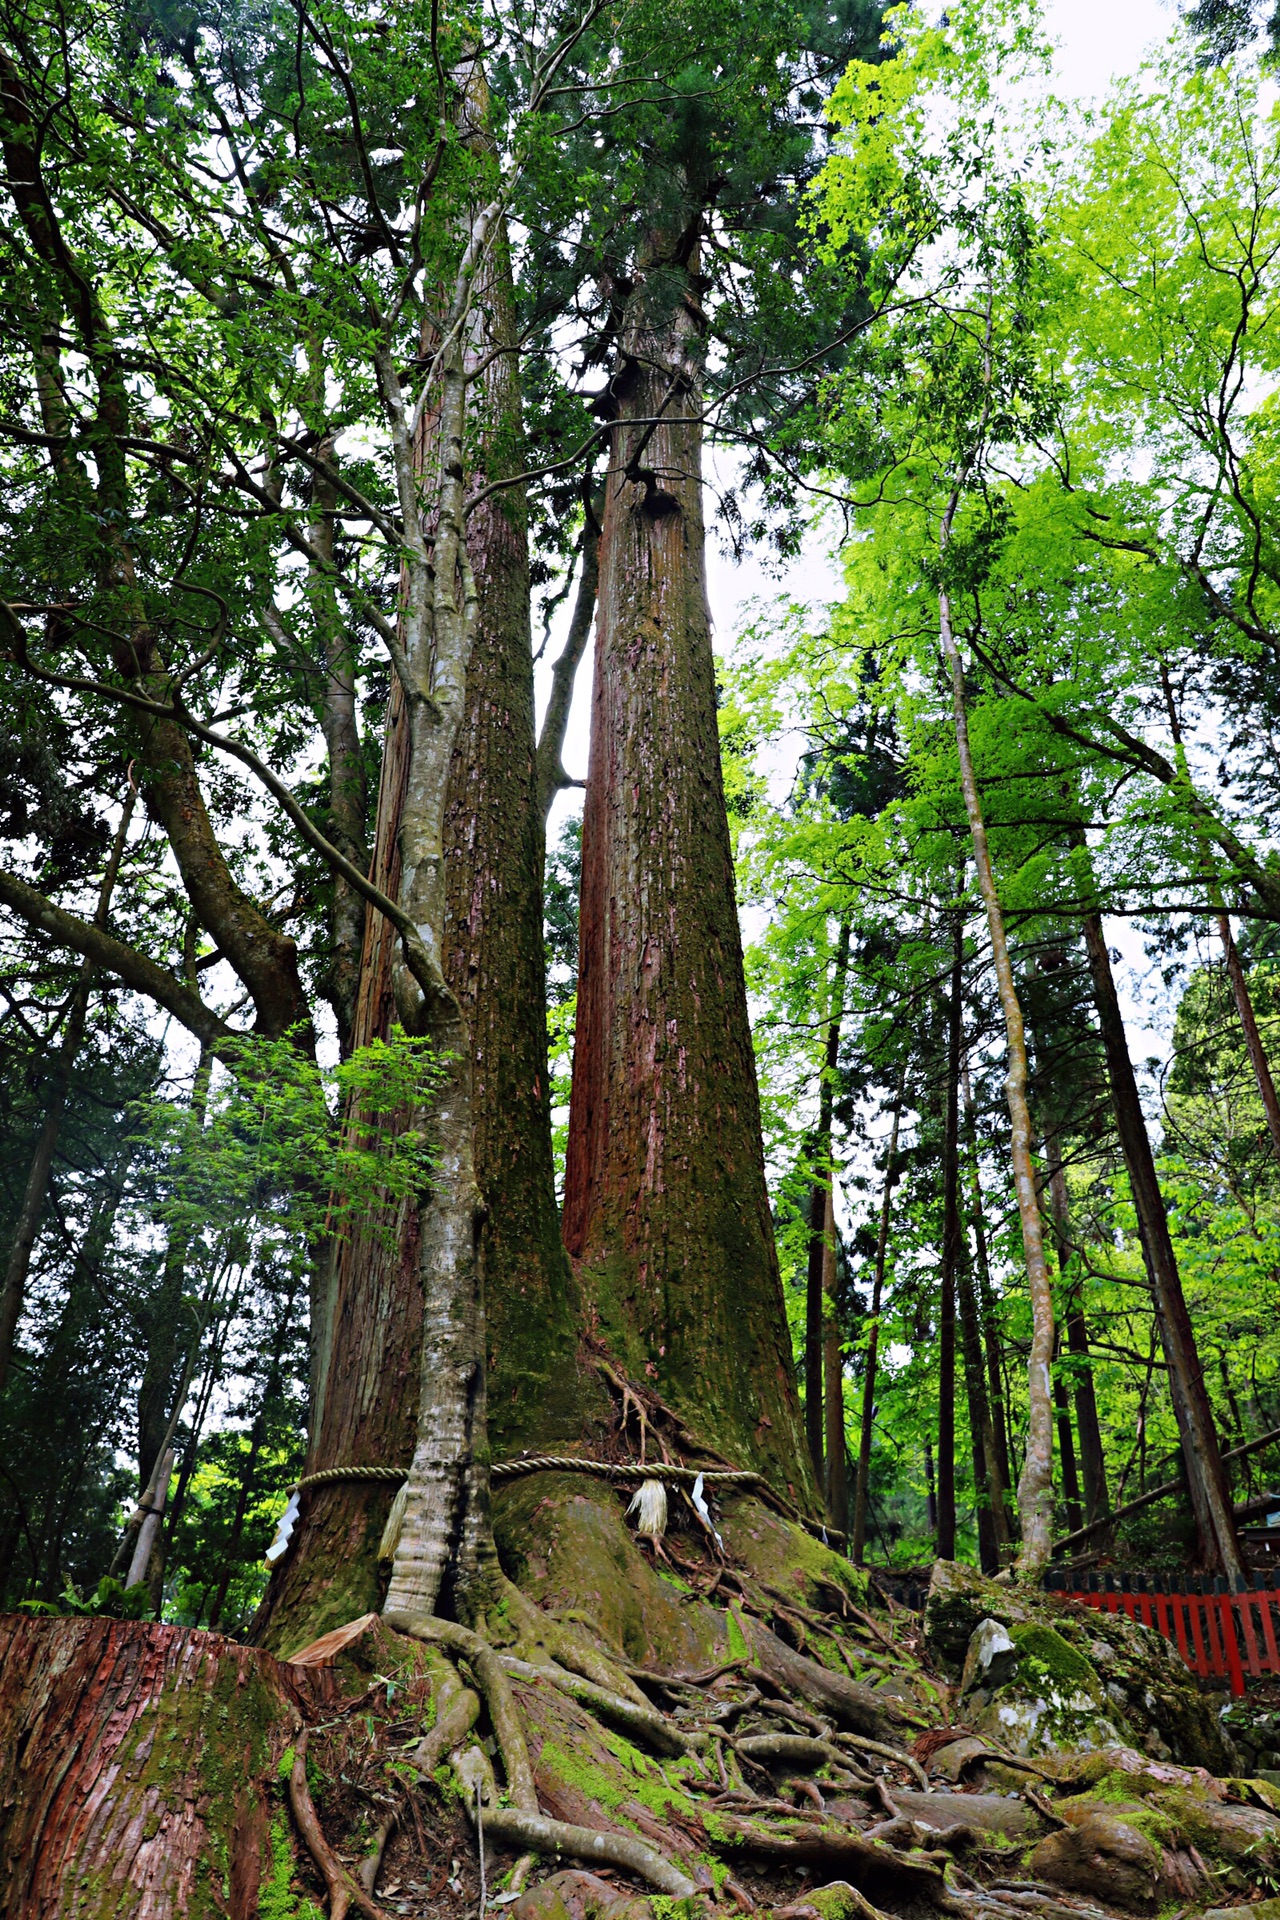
pixel 629 1470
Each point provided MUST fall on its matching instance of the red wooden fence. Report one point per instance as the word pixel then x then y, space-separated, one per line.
pixel 1220 1635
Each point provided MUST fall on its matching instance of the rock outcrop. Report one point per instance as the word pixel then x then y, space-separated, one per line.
pixel 1040 1675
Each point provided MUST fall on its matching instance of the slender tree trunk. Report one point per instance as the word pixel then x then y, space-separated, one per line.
pixel 1092 1459
pixel 930 1490
pixel 164 1316
pixel 945 1539
pixel 1211 1500
pixel 1249 1025
pixel 1067 1455
pixel 814 1425
pixel 862 1487
pixel 1230 952
pixel 1035 1488
pixel 988 1488
pixel 986 1308
pixel 257 1435
pixel 836 1481
pixel 1200 1444
pixel 666 1208
pixel 39 1173
pixel 552 778
pixel 815 1283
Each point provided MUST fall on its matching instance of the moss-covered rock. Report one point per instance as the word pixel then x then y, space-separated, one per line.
pixel 1138 1693
pixel 1045 1699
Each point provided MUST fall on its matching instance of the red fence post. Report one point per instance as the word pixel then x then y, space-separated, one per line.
pixel 1227 1619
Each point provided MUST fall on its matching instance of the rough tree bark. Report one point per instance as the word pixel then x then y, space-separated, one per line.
pixel 132 1770
pixel 369 1329
pixel 666 1209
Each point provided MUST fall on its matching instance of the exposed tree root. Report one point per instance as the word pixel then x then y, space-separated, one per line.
pixel 515 1827
pixel 578 1652
pixel 895 1754
pixel 493 1683
pixel 819 1843
pixel 345 1891
pixel 853 1705
pixel 644 1722
pixel 455 1719
pixel 795 1750
pixel 850 1901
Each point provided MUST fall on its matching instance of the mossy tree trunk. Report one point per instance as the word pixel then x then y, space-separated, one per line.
pixel 138 1773
pixel 665 1201
pixel 370 1328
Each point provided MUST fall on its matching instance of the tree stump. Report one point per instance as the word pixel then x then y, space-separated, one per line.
pixel 139 1770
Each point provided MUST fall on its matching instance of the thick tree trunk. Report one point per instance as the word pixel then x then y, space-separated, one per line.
pixel 368 1326
pixel 138 1771
pixel 1035 1487
pixel 665 1202
pixel 862 1489
pixel 1210 1497
pixel 494 958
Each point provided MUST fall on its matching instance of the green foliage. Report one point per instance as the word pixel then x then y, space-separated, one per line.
pixel 110 1600
pixel 291 1145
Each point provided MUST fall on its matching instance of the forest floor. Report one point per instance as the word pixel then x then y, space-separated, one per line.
pixel 766 1790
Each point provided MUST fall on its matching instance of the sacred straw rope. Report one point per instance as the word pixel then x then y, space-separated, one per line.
pixel 571 1463
pixel 549 1463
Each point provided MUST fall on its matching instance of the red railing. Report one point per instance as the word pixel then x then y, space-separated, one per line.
pixel 1220 1635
